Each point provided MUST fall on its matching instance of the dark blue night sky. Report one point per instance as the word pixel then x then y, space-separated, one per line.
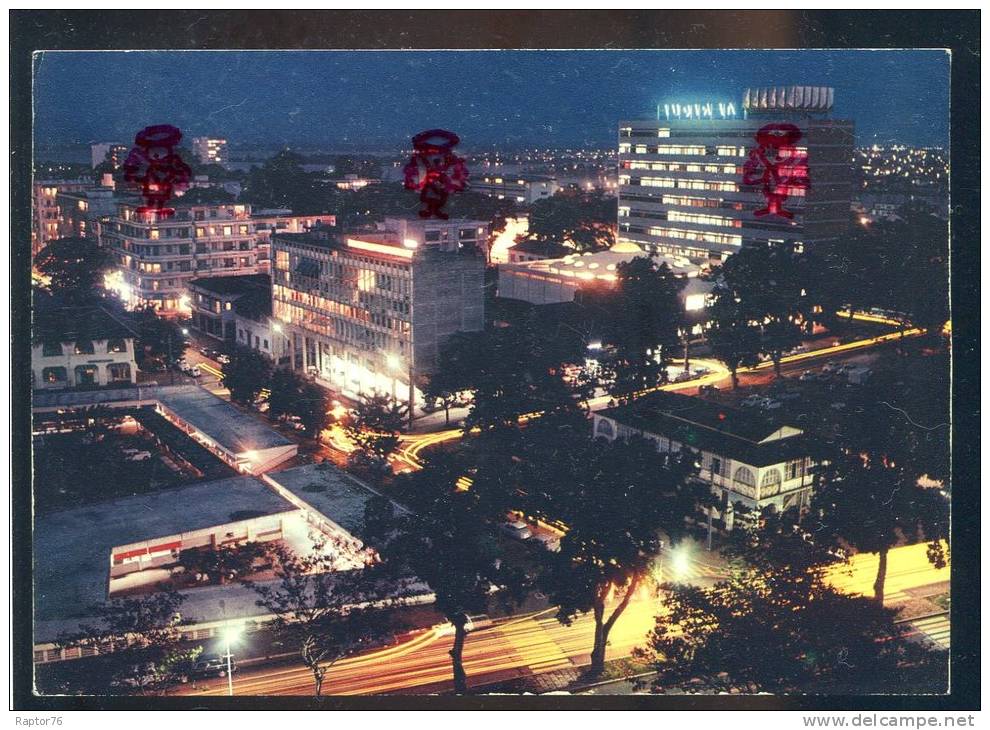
pixel 377 100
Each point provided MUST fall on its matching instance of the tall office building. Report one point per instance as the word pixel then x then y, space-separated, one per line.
pixel 369 311
pixel 210 150
pixel 101 151
pixel 681 186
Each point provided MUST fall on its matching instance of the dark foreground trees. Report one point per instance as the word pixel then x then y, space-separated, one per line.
pixel 614 501
pixel 140 648
pixel 450 543
pixel 328 603
pixel 776 627
pixel 246 374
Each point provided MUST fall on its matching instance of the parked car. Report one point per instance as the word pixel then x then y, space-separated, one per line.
pixel 707 389
pixel 210 666
pixel 517 530
pixel 770 405
pixel 808 376
pixel 788 395
pixel 752 400
pixel 832 366
pixel 223 359
pixel 140 456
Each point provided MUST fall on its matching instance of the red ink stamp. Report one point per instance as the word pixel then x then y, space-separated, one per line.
pixel 776 165
pixel 154 165
pixel 435 170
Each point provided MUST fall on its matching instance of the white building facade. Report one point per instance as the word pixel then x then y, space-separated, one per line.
pixel 748 462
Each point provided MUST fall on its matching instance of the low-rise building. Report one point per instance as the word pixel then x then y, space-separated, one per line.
pixel 749 460
pixel 536 251
pixel 557 280
pixel 80 347
pixel 368 311
pixel 212 301
pixel 524 189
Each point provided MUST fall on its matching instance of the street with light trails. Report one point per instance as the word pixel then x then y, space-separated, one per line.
pixel 523 646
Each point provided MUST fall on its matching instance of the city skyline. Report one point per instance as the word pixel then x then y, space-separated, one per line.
pixel 510 99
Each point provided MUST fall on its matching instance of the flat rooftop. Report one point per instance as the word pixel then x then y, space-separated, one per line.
pixel 235 431
pixel 72 547
pixel 329 491
pixel 211 415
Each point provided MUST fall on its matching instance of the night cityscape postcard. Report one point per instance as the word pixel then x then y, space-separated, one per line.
pixel 450 374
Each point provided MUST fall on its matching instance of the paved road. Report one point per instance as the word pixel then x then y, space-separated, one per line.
pixel 528 645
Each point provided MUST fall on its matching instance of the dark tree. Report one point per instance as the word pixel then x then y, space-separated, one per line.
pixel 328 603
pixel 873 503
pixel 732 333
pixel 282 183
pixel 585 221
pixel 284 392
pixel 614 502
pixel 247 373
pixel 223 563
pixel 139 644
pixel 75 267
pixel 313 409
pixel 375 424
pixel 646 318
pixel 160 342
pixel 769 283
pixel 450 544
pixel 776 627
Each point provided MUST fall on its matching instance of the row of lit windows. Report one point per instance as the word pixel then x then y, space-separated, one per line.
pixel 724 238
pixel 702 219
pixel 203 231
pixel 681 167
pixel 694 202
pixel 669 182
pixel 628 132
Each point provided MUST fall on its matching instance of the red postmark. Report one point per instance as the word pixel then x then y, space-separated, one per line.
pixel 435 170
pixel 778 166
pixel 154 165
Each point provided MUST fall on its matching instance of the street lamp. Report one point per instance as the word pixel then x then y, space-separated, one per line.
pixel 231 633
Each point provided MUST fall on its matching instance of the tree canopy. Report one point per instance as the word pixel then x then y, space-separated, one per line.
pixel 584 220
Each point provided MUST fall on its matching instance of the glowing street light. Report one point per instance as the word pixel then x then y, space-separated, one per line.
pixel 231 635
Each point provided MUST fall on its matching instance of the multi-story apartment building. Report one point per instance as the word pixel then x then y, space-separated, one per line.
pixel 157 257
pixel 681 188
pixel 102 151
pixel 369 311
pixel 747 459
pixel 282 220
pixel 520 188
pixel 82 213
pixel 46 211
pixel 210 150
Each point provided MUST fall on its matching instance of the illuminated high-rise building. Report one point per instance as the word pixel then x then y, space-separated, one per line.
pixel 681 186
pixel 210 150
